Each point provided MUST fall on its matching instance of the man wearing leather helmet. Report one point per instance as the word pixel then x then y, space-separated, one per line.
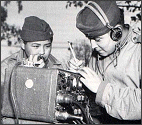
pixel 114 71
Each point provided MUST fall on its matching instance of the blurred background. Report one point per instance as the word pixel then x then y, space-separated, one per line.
pixel 61 16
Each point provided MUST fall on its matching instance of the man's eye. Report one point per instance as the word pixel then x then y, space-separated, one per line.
pixel 47 46
pixel 98 40
pixel 36 46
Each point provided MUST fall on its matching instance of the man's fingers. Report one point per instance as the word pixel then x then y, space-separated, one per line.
pixel 85 69
pixel 80 63
pixel 73 70
pixel 83 74
pixel 35 58
pixel 41 65
pixel 30 58
pixel 82 80
pixel 40 61
pixel 72 66
pixel 74 63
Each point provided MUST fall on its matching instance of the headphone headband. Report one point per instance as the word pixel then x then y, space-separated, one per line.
pixel 100 13
pixel 97 13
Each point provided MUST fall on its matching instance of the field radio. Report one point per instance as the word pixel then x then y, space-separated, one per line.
pixel 48 95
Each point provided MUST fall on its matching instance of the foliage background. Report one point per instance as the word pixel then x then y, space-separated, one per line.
pixel 10 33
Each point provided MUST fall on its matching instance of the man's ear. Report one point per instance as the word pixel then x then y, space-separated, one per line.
pixel 22 44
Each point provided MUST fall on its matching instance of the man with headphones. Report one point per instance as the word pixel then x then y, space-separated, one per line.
pixel 114 70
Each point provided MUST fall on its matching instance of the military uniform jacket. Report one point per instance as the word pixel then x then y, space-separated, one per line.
pixel 120 90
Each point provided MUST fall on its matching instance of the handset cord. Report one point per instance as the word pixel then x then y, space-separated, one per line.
pixel 12 96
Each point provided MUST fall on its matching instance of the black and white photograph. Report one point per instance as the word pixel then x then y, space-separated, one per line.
pixel 71 62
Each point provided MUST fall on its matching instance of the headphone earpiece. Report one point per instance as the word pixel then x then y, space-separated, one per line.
pixel 116 34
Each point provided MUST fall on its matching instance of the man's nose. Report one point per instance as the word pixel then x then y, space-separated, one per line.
pixel 93 43
pixel 42 51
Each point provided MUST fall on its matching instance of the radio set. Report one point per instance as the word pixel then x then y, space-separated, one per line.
pixel 48 95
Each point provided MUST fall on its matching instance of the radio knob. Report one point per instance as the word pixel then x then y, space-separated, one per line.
pixel 79 98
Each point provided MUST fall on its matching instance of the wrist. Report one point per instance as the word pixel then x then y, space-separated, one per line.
pixel 100 91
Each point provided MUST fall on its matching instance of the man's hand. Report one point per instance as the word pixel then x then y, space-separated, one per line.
pixel 38 62
pixel 74 65
pixel 33 61
pixel 90 79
